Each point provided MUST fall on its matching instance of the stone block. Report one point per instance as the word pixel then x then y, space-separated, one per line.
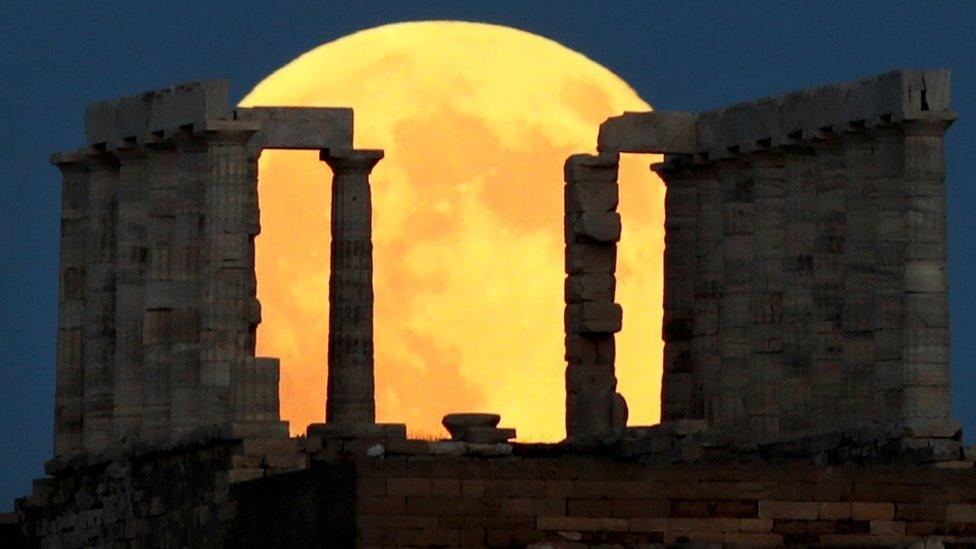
pixel 795 510
pixel 649 132
pixel 584 349
pixel 593 318
pixel 964 513
pixel 601 227
pixel 599 168
pixel 299 127
pixel 590 287
pixel 590 258
pixel 591 197
pixel 872 511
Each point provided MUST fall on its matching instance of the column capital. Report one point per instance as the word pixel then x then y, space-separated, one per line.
pixel 70 161
pixel 934 126
pixel 343 161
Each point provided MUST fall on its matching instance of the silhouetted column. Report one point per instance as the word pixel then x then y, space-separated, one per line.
pixel 592 229
pixel 99 324
pixel 130 287
pixel 735 313
pixel 350 377
pixel 799 213
pixel 857 316
pixel 766 375
pixel 926 298
pixel 828 285
pixel 69 391
pixel 680 398
pixel 185 392
pixel 709 276
pixel 888 323
pixel 162 187
pixel 231 311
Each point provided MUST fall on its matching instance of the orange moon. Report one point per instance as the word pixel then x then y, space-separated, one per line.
pixel 476 121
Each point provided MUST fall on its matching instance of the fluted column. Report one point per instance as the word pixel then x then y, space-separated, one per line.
pixel 130 286
pixel 99 316
pixel 766 372
pixel 709 276
pixel 680 391
pixel 162 185
pixel 350 356
pixel 800 225
pixel 828 285
pixel 185 393
pixel 69 391
pixel 735 312
pixel 926 285
pixel 231 311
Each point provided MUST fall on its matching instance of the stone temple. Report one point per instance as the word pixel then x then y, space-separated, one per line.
pixel 805 394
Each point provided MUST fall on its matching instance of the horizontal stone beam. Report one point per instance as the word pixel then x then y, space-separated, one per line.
pixel 134 117
pixel 299 127
pixel 783 119
pixel 792 117
pixel 649 132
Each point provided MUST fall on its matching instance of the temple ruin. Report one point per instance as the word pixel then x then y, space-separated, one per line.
pixel 805 393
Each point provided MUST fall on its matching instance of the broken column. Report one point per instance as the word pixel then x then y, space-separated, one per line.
pixel 592 230
pixel 350 377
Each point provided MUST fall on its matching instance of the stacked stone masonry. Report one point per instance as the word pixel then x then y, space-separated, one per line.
pixel 195 497
pixel 158 306
pixel 592 230
pixel 805 259
pixel 805 390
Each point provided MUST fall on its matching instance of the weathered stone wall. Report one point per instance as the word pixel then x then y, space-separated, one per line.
pixel 158 306
pixel 517 501
pixel 175 498
pixel 195 497
pixel 805 260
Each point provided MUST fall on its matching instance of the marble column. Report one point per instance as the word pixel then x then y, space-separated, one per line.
pixel 709 279
pixel 680 395
pixel 350 389
pixel 926 299
pixel 130 285
pixel 735 313
pixel 828 285
pixel 859 280
pixel 192 178
pixel 766 372
pixel 162 187
pixel 231 311
pixel 99 316
pixel 799 212
pixel 889 266
pixel 69 388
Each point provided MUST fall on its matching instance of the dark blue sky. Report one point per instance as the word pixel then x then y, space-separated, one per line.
pixel 57 56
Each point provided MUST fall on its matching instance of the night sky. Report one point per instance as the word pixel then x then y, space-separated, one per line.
pixel 57 56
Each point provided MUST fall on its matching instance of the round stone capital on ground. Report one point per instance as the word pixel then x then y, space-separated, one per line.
pixel 346 161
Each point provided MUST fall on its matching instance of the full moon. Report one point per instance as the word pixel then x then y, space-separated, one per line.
pixel 476 121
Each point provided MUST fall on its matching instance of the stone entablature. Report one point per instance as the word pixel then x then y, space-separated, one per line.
pixel 805 262
pixel 158 307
